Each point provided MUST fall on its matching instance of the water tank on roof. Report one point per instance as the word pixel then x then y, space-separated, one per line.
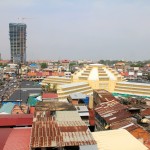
pixel 86 100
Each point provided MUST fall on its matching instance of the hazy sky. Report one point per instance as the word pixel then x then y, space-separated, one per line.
pixel 79 29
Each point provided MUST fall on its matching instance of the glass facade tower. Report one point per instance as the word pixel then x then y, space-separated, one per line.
pixel 17 32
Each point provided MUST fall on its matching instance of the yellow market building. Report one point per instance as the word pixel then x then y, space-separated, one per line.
pixel 96 76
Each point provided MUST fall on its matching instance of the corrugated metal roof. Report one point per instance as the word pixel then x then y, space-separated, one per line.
pixel 32 110
pixel 66 124
pixel 140 133
pixel 117 140
pixel 112 111
pixel 54 106
pixel 16 120
pixel 92 117
pixel 32 101
pixel 7 108
pixel 88 147
pixel 65 116
pixel 82 108
pixel 102 92
pixel 49 95
pixel 145 112
pixel 105 96
pixel 65 128
pixel 84 114
pixel 50 134
pixel 120 115
pixel 18 139
pixel 77 96
pixel 124 124
pixel 4 133
pixel 108 108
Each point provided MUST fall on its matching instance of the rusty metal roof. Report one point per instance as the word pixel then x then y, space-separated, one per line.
pixel 140 133
pixel 47 131
pixel 105 96
pixel 112 111
pixel 124 124
pixel 145 112
pixel 91 117
pixel 54 106
pixel 120 115
pixel 108 108
pixel 53 134
pixel 101 91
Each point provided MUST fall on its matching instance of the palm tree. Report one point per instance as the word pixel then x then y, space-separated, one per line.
pixel 48 87
pixel 54 87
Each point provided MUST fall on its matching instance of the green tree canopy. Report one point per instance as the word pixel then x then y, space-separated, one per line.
pixel 43 65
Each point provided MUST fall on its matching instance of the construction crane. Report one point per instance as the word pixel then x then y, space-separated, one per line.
pixel 23 18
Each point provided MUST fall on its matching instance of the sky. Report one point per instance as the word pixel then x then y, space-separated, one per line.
pixel 79 29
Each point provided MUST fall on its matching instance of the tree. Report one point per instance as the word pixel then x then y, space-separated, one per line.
pixel 71 66
pixel 48 87
pixel 43 65
pixel 148 77
pixel 55 88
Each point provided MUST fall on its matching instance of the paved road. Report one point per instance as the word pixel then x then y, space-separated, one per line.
pixel 29 89
pixel 8 88
pixel 23 95
pixel 26 88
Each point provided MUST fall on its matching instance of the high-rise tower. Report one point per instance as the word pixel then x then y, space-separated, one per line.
pixel 17 32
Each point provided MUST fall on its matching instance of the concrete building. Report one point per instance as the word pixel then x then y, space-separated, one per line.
pixel 17 32
pixel 65 65
pixel 97 76
pixel 139 89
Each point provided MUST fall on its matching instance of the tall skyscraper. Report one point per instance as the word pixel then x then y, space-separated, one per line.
pixel 17 32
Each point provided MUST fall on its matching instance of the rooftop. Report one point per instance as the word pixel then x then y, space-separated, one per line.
pixel 117 140
pixel 54 106
pixel 60 130
pixel 16 120
pixel 131 83
pixel 73 84
pixel 59 136
pixel 112 111
pixel 104 95
pixel 117 116
pixel 7 108
pixel 124 124
pixel 71 116
pixel 49 95
pixel 15 138
pixel 145 112
pixel 5 132
pixel 110 107
pixel 140 133
pixel 77 95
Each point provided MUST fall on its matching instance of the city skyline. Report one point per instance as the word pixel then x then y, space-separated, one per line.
pixel 79 29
